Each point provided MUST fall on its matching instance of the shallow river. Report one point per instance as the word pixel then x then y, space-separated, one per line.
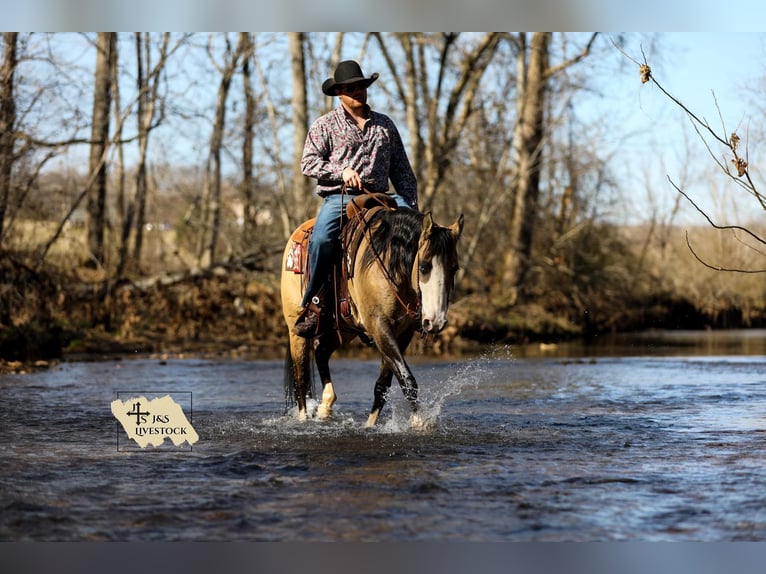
pixel 648 439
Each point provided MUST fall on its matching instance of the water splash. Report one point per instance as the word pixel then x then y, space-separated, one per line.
pixel 434 397
pixel 289 423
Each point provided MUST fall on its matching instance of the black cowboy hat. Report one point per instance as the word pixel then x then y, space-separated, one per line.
pixel 347 72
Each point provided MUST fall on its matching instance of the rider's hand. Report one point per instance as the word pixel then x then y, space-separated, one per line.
pixel 351 178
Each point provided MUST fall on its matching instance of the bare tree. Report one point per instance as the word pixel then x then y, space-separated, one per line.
pixel 329 101
pixel 288 218
pixel 533 74
pixel 120 175
pixel 102 101
pixel 248 181
pixel 7 120
pixel 212 200
pixel 532 63
pixel 99 163
pixel 149 107
pixel 445 108
pixel 408 93
pixel 301 185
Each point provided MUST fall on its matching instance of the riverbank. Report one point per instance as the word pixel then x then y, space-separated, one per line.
pixel 47 315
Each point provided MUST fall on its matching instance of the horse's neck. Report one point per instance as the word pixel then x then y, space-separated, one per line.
pixel 356 233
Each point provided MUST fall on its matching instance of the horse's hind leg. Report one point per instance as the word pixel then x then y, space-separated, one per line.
pixel 382 385
pixel 301 373
pixel 324 349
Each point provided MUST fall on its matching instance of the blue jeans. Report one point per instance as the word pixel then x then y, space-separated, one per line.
pixel 325 240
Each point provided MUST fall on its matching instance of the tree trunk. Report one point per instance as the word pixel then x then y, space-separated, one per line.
pixel 145 112
pixel 301 184
pixel 249 209
pixel 102 100
pixel 329 101
pixel 408 93
pixel 528 139
pixel 124 203
pixel 532 81
pixel 7 122
pixel 148 100
pixel 213 187
pixel 286 214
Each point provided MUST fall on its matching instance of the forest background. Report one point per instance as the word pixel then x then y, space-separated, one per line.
pixel 149 181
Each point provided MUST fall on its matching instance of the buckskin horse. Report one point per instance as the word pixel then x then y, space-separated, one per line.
pixel 399 271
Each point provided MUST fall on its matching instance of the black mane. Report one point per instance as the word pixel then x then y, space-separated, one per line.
pixel 395 236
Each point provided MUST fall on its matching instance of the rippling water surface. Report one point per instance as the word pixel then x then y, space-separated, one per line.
pixel 660 440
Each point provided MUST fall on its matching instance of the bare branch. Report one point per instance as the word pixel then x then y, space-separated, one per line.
pixel 736 168
pixel 571 61
pixel 711 222
pixel 718 267
pixel 731 143
pixel 391 65
pixel 744 243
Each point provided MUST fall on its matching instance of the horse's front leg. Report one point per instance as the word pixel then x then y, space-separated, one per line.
pixel 382 385
pixel 392 349
pixel 326 346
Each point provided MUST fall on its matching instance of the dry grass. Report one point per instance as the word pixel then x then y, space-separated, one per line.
pixel 669 265
pixel 161 252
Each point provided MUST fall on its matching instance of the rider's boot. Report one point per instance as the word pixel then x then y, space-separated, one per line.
pixel 308 322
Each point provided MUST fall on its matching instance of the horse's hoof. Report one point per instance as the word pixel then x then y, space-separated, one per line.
pixel 324 410
pixel 372 420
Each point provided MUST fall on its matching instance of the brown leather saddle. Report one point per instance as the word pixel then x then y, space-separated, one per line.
pixel 360 210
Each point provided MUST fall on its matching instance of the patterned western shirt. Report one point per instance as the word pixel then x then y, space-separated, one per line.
pixel 377 153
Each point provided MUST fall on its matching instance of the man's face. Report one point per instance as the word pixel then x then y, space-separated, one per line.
pixel 353 95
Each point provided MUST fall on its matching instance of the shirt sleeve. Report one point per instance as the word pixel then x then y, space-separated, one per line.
pixel 316 161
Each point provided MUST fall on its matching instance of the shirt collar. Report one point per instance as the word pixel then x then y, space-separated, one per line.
pixel 367 112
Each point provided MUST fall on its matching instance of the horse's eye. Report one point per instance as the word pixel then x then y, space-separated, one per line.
pixel 426 267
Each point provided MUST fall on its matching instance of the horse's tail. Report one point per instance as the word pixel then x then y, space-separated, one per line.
pixel 289 380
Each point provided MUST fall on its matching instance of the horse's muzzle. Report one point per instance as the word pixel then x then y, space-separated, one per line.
pixel 433 326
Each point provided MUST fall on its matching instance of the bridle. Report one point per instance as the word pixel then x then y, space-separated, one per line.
pixel 411 313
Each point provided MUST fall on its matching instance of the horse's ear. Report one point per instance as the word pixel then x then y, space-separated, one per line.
pixel 457 227
pixel 428 223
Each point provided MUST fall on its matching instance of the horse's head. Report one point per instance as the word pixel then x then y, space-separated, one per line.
pixel 435 269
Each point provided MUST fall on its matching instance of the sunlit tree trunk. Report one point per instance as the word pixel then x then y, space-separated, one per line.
pixel 133 210
pixel 329 101
pixel 408 93
pixel 533 74
pixel 301 185
pixel 102 99
pixel 287 215
pixel 527 150
pixel 148 102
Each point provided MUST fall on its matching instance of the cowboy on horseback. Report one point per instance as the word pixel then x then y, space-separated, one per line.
pixel 349 151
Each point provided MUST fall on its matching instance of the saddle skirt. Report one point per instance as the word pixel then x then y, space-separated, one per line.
pixel 297 257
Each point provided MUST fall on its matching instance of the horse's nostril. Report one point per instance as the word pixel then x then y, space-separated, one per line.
pixel 426 324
